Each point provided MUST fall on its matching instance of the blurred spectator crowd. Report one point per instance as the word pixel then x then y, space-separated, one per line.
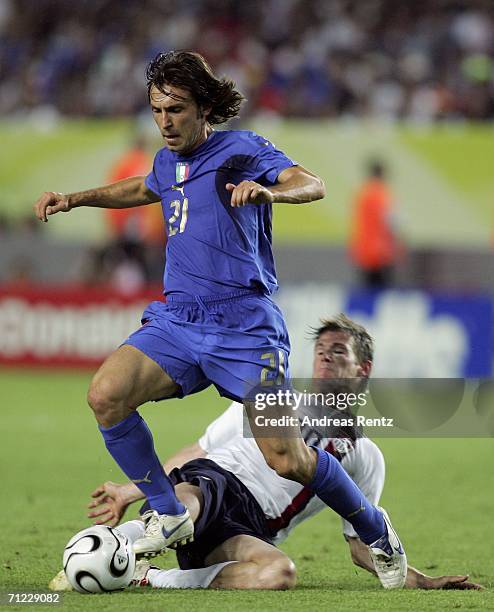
pixel 424 60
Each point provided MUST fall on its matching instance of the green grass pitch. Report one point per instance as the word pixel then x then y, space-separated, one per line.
pixel 438 492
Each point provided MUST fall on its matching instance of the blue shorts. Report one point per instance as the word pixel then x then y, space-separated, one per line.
pixel 229 509
pixel 232 341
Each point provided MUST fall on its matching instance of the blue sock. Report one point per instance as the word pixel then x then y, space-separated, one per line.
pixel 130 443
pixel 338 491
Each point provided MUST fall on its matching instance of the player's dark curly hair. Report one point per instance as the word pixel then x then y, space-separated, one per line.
pixel 190 71
pixel 362 341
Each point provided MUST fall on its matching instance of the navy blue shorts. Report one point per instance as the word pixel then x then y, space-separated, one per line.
pixel 229 510
pixel 233 341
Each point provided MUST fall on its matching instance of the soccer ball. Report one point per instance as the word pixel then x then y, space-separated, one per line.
pixel 99 559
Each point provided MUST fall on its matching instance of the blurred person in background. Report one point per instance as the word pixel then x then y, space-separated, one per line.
pixel 375 247
pixel 143 224
pixel 136 234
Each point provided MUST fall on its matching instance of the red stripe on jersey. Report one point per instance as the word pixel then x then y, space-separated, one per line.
pixel 299 502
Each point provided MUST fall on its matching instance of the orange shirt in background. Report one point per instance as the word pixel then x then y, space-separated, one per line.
pixel 144 223
pixel 372 242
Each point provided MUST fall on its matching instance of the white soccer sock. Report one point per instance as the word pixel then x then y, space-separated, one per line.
pixel 185 579
pixel 132 529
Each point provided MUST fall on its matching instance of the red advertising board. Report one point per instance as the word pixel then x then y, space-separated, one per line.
pixel 66 326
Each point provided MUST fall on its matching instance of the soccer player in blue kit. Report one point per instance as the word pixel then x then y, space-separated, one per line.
pixel 219 325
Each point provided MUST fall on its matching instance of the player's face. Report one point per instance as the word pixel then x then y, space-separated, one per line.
pixel 181 122
pixel 335 357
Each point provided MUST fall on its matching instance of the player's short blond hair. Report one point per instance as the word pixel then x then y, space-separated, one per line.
pixel 362 341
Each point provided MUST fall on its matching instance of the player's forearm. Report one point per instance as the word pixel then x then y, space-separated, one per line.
pixel 416 579
pixel 299 190
pixel 131 493
pixel 360 555
pixel 128 193
pixel 361 558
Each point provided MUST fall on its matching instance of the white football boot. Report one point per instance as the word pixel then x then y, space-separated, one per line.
pixel 389 558
pixel 163 531
pixel 60 583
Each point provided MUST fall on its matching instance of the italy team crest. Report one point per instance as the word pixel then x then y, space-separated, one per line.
pixel 182 172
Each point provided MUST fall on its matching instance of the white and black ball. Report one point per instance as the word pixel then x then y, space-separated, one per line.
pixel 99 559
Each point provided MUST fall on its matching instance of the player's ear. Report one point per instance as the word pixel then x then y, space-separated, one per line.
pixel 365 368
pixel 205 112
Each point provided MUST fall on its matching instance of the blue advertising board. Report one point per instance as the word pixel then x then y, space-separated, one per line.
pixel 417 334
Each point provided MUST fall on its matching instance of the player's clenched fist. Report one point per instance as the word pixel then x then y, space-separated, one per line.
pixel 249 192
pixel 50 203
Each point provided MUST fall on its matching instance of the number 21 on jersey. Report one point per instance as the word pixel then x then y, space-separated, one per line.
pixel 178 220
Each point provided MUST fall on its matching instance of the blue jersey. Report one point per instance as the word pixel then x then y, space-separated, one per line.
pixel 212 247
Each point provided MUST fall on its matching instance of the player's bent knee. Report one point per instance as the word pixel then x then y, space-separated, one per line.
pixel 286 575
pixel 279 575
pixel 104 400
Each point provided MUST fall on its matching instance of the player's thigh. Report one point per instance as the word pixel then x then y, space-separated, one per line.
pixel 131 376
pixel 250 346
pixel 191 497
pixel 245 548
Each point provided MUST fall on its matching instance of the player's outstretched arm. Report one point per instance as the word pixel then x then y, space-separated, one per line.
pixel 295 185
pixel 111 500
pixel 415 579
pixel 128 193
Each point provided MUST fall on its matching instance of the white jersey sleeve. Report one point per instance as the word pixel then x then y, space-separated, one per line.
pixel 223 429
pixel 365 465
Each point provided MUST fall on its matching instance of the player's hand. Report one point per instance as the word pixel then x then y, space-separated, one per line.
pixel 249 192
pixel 450 582
pixel 109 504
pixel 49 204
